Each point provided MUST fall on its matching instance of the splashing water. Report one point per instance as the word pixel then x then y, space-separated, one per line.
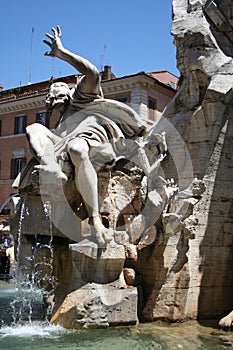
pixel 39 336
pixel 35 329
pixel 34 280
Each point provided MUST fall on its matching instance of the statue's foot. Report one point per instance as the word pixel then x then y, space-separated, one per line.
pixel 227 321
pixel 53 172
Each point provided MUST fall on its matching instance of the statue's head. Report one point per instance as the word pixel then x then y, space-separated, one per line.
pixel 59 93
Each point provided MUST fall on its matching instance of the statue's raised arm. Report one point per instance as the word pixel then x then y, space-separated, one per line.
pixel 91 79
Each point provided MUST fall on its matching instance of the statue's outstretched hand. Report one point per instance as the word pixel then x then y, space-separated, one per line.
pixel 55 44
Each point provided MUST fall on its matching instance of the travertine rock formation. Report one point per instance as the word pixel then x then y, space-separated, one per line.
pixel 194 279
pixel 98 305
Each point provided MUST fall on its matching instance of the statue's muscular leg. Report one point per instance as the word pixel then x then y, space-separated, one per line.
pixel 87 184
pixel 42 142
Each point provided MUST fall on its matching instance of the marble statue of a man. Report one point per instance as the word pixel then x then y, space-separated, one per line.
pixel 91 130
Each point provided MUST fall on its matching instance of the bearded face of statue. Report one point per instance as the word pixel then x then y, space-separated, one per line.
pixel 59 93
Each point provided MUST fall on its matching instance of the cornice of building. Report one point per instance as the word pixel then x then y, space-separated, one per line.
pixel 130 82
pixel 22 104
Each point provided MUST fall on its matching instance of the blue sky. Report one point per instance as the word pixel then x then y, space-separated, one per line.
pixel 129 35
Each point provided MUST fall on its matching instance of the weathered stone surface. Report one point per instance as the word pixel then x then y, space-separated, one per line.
pixel 193 279
pixel 129 276
pixel 120 194
pixel 96 264
pixel 97 305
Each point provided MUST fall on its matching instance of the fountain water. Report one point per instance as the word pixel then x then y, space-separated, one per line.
pixel 30 283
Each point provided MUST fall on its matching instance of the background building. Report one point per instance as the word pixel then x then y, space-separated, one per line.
pixel 147 93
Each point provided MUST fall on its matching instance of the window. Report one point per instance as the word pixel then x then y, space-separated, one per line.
pixel 41 118
pixel 6 211
pixel 20 124
pixel 16 166
pixel 124 98
pixel 172 84
pixel 152 105
pixel 17 162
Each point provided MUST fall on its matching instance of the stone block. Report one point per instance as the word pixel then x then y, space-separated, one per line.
pixel 97 264
pixel 98 306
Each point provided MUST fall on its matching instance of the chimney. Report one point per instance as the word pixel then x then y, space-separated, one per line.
pixel 107 73
pixel 1 87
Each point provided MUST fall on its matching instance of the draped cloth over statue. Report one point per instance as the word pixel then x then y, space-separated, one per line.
pixel 106 125
pixel 109 127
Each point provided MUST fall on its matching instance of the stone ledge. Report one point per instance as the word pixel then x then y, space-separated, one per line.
pixel 96 264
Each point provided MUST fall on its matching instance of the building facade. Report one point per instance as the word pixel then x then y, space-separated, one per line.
pixel 147 93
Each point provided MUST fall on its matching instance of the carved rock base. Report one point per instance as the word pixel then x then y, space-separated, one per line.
pixel 97 306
